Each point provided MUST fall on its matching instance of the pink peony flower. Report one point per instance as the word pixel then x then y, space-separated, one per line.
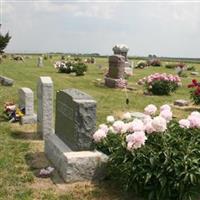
pixel 110 119
pixel 135 140
pixel 149 128
pixel 99 135
pixel 136 125
pixel 184 123
pixel 147 119
pixel 194 120
pixel 159 124
pixel 150 109
pixel 118 126
pixel 167 115
pixel 104 127
pixel 165 107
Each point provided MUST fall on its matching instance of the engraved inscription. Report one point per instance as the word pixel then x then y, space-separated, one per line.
pixel 65 110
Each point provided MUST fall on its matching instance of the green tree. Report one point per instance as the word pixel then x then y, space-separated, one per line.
pixel 4 39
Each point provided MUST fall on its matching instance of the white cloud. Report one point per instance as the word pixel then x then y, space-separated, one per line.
pixel 161 28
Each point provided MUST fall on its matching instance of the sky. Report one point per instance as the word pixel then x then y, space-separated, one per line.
pixel 164 28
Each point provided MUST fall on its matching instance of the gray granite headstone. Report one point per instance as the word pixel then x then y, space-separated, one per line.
pixel 75 119
pixel 40 62
pixel 45 106
pixel 5 81
pixel 26 100
pixel 181 102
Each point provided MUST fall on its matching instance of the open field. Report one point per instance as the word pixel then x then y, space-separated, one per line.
pixel 21 151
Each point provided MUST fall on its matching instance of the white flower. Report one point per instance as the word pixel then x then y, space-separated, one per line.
pixel 159 124
pixel 135 140
pixel 104 127
pixel 165 107
pixel 149 128
pixel 150 109
pixel 110 119
pixel 196 114
pixel 99 135
pixel 147 119
pixel 184 123
pixel 118 126
pixel 136 125
pixel 167 115
pixel 127 116
pixel 111 129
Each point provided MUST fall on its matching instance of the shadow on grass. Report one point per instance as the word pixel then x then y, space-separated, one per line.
pixel 95 189
pixel 23 135
pixel 3 118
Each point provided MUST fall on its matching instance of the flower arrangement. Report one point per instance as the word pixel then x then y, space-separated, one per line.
pixel 195 91
pixel 12 112
pixel 160 84
pixel 155 157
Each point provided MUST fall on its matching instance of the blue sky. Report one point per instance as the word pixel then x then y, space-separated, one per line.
pixel 164 28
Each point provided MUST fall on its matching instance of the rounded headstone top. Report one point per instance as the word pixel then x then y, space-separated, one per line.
pixel 120 48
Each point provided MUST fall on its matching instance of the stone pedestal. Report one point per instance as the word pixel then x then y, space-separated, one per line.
pixel 45 106
pixel 26 101
pixel 74 166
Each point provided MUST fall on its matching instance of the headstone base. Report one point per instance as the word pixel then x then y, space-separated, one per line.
pixel 74 166
pixel 111 82
pixel 28 119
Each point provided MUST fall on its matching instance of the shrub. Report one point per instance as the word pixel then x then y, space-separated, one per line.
pixel 79 69
pixel 160 84
pixel 195 91
pixel 191 68
pixel 157 157
pixel 71 66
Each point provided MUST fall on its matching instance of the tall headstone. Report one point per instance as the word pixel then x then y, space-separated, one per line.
pixel 75 119
pixel 40 61
pixel 45 106
pixel 26 101
pixel 116 70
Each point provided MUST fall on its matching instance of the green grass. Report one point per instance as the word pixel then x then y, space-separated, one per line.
pixel 15 175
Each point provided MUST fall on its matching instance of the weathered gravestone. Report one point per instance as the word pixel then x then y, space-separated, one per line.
pixel 5 81
pixel 116 70
pixel 75 118
pixel 45 106
pixel 40 61
pixel 69 148
pixel 26 101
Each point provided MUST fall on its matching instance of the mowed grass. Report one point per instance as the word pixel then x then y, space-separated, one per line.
pixel 16 176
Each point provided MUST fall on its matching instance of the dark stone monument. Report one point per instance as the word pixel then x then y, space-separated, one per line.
pixel 75 119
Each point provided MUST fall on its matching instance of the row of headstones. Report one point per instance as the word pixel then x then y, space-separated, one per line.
pixel 69 146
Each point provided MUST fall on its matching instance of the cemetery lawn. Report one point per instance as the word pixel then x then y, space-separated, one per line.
pixel 21 152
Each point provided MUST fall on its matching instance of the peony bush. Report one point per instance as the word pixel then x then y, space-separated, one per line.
pixel 195 91
pixel 160 84
pixel 155 157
